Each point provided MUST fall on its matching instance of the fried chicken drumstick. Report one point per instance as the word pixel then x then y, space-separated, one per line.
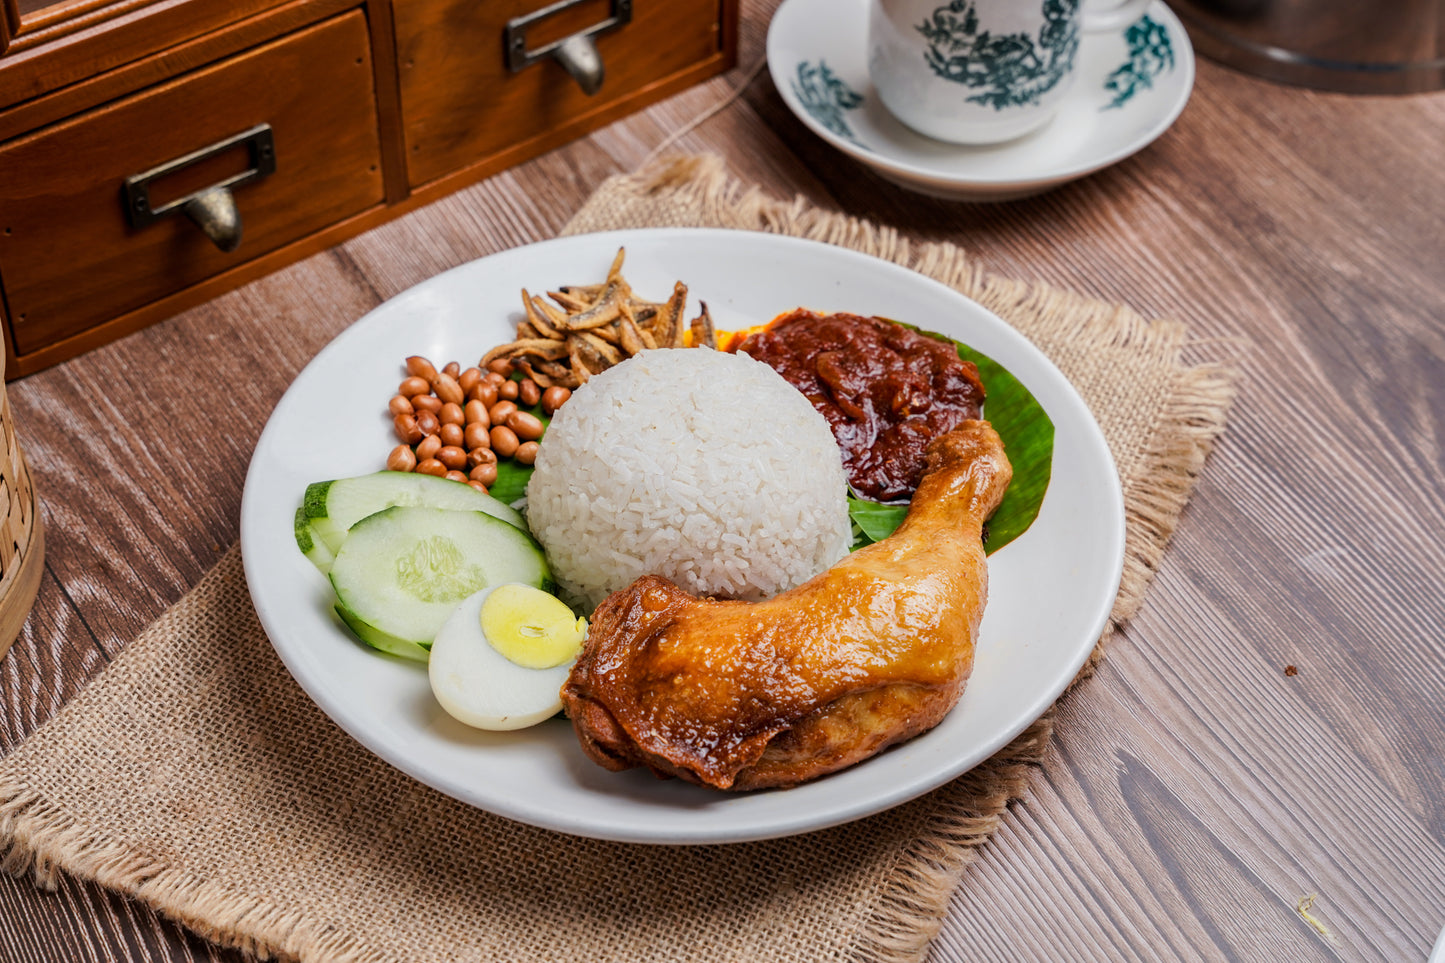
pixel 740 695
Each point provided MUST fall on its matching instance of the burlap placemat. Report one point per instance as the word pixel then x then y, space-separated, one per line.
pixel 195 775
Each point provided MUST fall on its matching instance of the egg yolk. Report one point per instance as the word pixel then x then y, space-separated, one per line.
pixel 531 628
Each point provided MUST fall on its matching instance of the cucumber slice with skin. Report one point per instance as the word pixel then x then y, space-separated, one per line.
pixel 402 571
pixel 380 640
pixel 332 507
pixel 311 543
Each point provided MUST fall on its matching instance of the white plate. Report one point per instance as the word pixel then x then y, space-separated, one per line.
pixel 1051 589
pixel 1120 103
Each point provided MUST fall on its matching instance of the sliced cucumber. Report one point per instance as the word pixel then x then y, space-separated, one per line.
pixel 332 507
pixel 311 543
pixel 402 570
pixel 378 639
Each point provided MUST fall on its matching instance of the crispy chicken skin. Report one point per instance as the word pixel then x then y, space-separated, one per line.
pixel 740 695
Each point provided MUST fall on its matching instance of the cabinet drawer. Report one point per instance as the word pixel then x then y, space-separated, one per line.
pixel 69 260
pixel 461 103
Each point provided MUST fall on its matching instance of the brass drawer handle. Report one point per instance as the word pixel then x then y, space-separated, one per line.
pixel 213 209
pixel 577 53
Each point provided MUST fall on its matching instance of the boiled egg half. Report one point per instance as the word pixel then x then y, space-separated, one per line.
pixel 500 659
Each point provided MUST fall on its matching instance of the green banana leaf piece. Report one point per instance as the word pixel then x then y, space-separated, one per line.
pixel 1028 438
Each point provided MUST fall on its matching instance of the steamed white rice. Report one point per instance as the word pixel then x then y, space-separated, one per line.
pixel 703 467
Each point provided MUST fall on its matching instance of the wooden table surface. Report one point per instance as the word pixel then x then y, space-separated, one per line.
pixel 1194 792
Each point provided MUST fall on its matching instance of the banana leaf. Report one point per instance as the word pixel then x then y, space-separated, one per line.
pixel 1028 438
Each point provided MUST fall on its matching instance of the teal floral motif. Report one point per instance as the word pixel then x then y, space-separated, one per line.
pixel 826 98
pixel 1150 54
pixel 1008 70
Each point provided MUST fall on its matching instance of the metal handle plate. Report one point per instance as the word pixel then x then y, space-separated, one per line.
pixel 212 208
pixel 577 53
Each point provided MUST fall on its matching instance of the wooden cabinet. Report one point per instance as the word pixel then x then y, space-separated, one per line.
pixel 370 109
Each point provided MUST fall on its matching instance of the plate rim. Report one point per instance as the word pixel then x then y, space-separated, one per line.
pixel 938 181
pixel 904 790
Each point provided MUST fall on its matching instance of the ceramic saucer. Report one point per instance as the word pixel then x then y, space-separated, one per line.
pixel 1132 84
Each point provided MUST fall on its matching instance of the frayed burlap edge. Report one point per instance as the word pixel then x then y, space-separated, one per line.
pixel 697 191
pixel 44 841
pixel 39 839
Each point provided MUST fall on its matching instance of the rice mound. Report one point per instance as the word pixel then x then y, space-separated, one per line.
pixel 704 467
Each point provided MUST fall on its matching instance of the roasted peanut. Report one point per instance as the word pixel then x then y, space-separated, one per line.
pixel 527 426
pixel 407 430
pixel 485 392
pixel 508 390
pixel 428 447
pixel 413 386
pixel 457 476
pixel 484 473
pixel 477 485
pixel 400 405
pixel 401 459
pixel 451 414
pixel 431 466
pixel 452 435
pixel 419 367
pixel 504 441
pixel 494 377
pixel 477 435
pixel 452 369
pixel 447 389
pixel 526 452
pixel 501 366
pixel 482 455
pixel 474 412
pixel 554 398
pixel 498 412
pixel 428 422
pixel 427 403
pixel 528 392
pixel 451 456
pixel 469 379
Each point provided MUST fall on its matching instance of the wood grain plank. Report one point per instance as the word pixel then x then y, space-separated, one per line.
pixel 1193 865
pixel 1303 778
pixel 51 660
pixel 767 162
pixel 82 922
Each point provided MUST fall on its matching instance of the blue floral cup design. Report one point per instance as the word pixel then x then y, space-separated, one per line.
pixel 982 71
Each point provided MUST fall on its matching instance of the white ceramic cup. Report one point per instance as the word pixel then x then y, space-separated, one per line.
pixel 982 71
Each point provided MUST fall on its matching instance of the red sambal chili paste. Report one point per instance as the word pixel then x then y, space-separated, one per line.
pixel 885 390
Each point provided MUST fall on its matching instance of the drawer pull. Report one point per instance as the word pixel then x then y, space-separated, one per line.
pixel 212 208
pixel 577 53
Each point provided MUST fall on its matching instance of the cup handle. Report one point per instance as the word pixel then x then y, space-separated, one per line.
pixel 1099 17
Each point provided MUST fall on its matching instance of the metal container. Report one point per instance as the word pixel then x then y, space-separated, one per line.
pixel 1355 46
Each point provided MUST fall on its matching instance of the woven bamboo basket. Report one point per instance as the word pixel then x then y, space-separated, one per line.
pixel 22 543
